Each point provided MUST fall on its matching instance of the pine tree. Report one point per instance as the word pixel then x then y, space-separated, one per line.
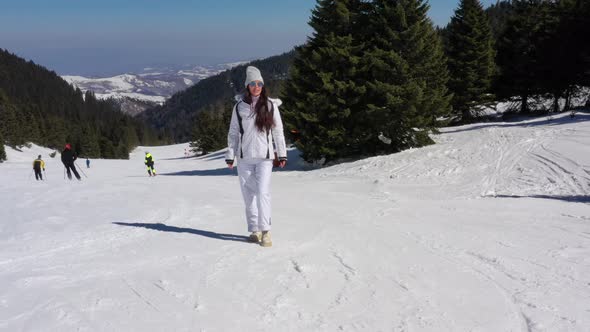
pixel 565 56
pixel 13 127
pixel 583 22
pixel 107 150
pixel 322 93
pixel 131 139
pixel 55 133
pixel 554 52
pixel 122 151
pixel 90 146
pixel 405 72
pixel 471 55
pixel 518 53
pixel 203 135
pixel 210 129
pixel 498 15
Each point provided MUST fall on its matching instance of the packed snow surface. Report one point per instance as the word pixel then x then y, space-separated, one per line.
pixel 488 230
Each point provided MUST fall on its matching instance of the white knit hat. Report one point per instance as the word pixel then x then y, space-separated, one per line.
pixel 253 74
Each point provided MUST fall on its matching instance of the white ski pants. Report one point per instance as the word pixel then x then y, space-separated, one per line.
pixel 254 175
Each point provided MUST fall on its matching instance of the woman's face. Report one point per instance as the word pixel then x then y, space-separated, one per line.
pixel 255 88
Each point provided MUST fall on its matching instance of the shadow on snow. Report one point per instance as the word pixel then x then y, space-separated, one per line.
pixel 165 228
pixel 204 172
pixel 544 121
pixel 573 198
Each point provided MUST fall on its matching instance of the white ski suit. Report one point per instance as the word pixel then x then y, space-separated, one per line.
pixel 256 153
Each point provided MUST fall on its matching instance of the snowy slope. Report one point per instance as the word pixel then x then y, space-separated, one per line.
pixel 489 230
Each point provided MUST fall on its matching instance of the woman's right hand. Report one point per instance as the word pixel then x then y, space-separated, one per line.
pixel 230 163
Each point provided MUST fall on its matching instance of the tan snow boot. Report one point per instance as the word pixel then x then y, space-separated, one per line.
pixel 255 237
pixel 266 240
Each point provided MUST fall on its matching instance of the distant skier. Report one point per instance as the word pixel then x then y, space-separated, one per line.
pixel 67 158
pixel 39 165
pixel 255 126
pixel 149 162
pixel 87 163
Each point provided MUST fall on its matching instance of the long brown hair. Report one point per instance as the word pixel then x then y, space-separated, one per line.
pixel 264 118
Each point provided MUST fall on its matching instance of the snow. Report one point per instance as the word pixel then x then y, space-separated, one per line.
pixel 117 83
pixel 151 74
pixel 156 86
pixel 132 95
pixel 488 230
pixel 26 153
pixel 579 99
pixel 230 65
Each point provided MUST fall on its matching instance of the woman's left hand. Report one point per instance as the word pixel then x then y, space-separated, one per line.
pixel 282 163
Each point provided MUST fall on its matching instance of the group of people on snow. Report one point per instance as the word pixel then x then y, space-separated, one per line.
pixel 68 158
pixel 255 138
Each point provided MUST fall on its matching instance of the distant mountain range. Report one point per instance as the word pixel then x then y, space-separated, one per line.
pixel 151 87
pixel 175 118
pixel 38 106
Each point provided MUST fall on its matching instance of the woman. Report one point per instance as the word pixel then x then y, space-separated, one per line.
pixel 255 125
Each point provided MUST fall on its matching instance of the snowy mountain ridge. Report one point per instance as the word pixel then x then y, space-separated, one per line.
pixel 153 85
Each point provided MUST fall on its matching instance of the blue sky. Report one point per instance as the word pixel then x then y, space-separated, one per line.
pixel 104 37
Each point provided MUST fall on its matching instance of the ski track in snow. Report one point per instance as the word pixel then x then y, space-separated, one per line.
pixel 488 230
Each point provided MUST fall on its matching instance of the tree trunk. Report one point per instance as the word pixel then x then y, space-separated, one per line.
pixel 556 102
pixel 568 97
pixel 524 105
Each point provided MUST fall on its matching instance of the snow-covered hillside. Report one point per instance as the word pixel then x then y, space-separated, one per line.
pixel 152 85
pixel 488 230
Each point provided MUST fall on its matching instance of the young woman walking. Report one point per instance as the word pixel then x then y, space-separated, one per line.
pixel 255 125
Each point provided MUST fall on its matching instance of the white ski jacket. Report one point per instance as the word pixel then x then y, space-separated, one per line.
pixel 245 141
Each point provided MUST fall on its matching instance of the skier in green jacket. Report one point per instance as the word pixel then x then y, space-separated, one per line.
pixel 149 162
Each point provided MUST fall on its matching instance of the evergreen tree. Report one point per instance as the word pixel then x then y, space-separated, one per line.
pixel 405 74
pixel 55 133
pixel 553 58
pixel 122 151
pixel 582 26
pixel 543 51
pixel 131 138
pixel 565 56
pixel 518 53
pixel 107 150
pixel 471 55
pixel 210 130
pixel 13 127
pixel 323 92
pixel 90 146
pixel 498 15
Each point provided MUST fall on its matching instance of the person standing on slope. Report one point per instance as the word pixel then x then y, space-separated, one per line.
pixel 67 158
pixel 87 163
pixel 39 165
pixel 149 162
pixel 255 125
